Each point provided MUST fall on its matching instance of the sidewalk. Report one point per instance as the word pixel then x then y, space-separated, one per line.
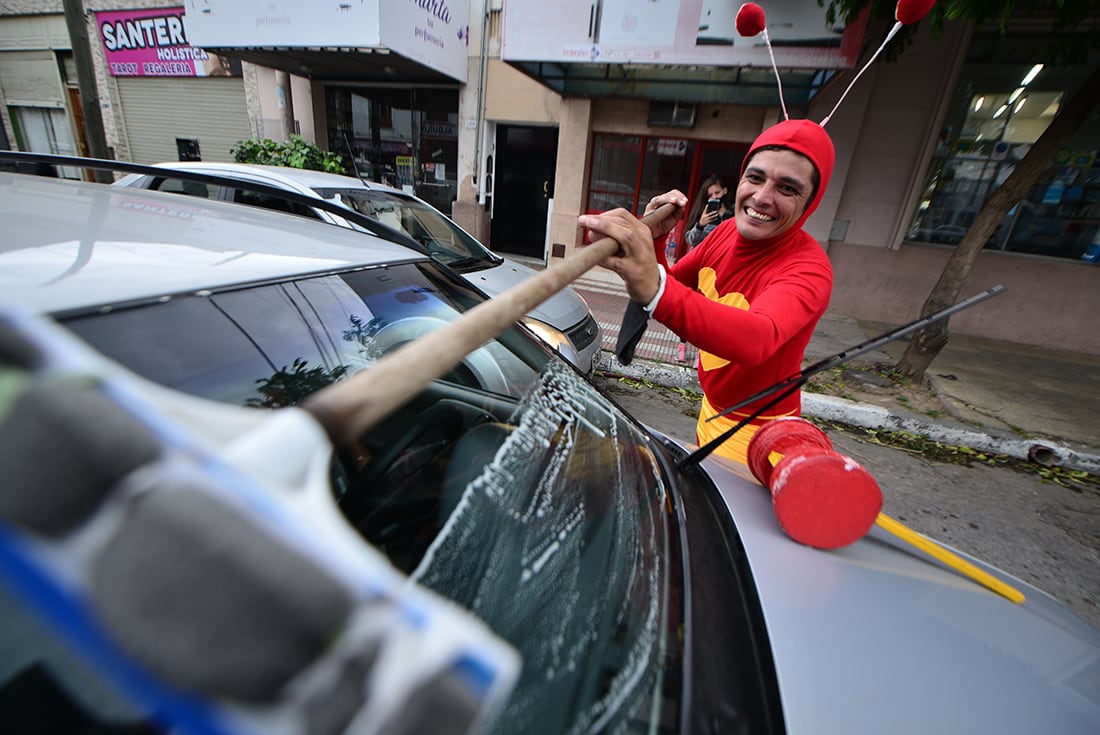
pixel 1003 397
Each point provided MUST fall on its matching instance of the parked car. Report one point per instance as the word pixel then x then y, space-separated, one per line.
pixel 946 234
pixel 642 596
pixel 564 318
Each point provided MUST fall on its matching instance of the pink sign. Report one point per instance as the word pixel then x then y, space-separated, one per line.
pixel 153 43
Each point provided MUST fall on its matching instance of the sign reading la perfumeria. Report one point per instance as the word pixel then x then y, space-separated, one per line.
pixel 434 33
pixel 153 43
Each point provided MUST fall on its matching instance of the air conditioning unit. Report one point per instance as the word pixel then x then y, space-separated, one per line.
pixel 671 114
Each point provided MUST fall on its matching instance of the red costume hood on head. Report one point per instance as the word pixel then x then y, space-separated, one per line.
pixel 809 139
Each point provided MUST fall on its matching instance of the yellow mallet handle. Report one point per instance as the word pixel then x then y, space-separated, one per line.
pixel 930 547
pixel 952 560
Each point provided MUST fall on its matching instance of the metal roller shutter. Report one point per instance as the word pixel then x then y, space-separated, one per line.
pixel 31 78
pixel 156 111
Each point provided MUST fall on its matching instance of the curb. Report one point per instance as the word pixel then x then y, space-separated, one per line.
pixel 1042 451
pixel 668 375
pixel 1047 452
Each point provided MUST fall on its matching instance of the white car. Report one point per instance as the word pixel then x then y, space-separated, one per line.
pixel 564 321
pixel 643 593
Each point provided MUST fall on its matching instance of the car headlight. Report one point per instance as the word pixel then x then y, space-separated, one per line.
pixel 556 340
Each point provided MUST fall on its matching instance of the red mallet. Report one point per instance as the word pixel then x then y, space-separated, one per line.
pixel 821 498
pixel 749 20
pixel 775 439
pixel 826 500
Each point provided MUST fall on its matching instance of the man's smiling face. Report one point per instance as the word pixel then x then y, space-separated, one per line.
pixel 773 193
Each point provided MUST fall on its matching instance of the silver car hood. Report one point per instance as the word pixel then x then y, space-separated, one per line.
pixel 876 637
pixel 563 308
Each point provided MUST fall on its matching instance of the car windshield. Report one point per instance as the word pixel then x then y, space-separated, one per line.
pixel 442 238
pixel 510 485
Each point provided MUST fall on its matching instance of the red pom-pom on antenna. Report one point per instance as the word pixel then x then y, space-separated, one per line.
pixel 750 19
pixel 909 12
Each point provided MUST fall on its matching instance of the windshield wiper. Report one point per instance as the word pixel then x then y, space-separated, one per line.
pixel 789 385
pixel 468 262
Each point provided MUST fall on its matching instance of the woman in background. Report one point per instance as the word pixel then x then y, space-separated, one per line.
pixel 710 209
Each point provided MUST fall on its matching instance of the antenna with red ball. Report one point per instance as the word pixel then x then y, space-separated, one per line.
pixel 750 21
pixel 906 13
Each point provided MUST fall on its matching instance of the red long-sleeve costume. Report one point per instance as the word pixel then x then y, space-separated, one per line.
pixel 751 306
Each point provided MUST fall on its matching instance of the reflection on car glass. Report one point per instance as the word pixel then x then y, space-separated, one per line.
pixel 555 536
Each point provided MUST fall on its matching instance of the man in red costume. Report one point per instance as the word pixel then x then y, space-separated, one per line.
pixel 751 294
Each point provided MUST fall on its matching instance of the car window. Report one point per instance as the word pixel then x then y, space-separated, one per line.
pixel 189 188
pixel 246 345
pixel 276 203
pixel 511 485
pixel 439 235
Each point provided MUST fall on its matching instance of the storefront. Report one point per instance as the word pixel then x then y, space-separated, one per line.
pixel 162 98
pixel 384 86
pixel 406 137
pixel 661 95
pixel 176 101
pixel 999 109
pixel 628 170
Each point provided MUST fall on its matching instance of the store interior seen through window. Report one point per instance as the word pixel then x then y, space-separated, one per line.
pixel 999 110
pixel 403 137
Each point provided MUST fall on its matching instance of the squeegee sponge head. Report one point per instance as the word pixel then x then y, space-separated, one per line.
pixel 210 601
pixel 63 446
pixel 204 571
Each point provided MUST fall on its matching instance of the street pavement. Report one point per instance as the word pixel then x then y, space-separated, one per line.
pixel 1018 400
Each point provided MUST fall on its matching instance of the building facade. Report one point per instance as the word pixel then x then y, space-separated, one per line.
pixel 519 115
pixel 921 143
pixel 161 98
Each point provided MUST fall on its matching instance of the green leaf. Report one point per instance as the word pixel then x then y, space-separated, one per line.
pixel 294 153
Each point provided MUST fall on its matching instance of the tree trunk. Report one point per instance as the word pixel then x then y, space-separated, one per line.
pixel 927 343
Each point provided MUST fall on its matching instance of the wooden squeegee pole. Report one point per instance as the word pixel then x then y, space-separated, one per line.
pixel 352 406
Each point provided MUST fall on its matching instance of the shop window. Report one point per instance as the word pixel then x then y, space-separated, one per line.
pixel 627 171
pixel 405 138
pixel 999 110
pixel 45 130
pixel 616 165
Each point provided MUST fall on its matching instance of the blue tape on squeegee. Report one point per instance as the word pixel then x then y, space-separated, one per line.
pixel 67 617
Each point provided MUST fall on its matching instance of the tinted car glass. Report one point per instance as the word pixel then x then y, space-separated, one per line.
pixel 510 486
pixel 279 204
pixel 251 346
pixel 190 188
pixel 442 238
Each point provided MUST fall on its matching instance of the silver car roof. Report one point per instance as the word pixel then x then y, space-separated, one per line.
pixel 301 179
pixel 69 245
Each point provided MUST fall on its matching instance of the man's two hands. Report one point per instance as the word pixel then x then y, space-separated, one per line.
pixel 636 261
